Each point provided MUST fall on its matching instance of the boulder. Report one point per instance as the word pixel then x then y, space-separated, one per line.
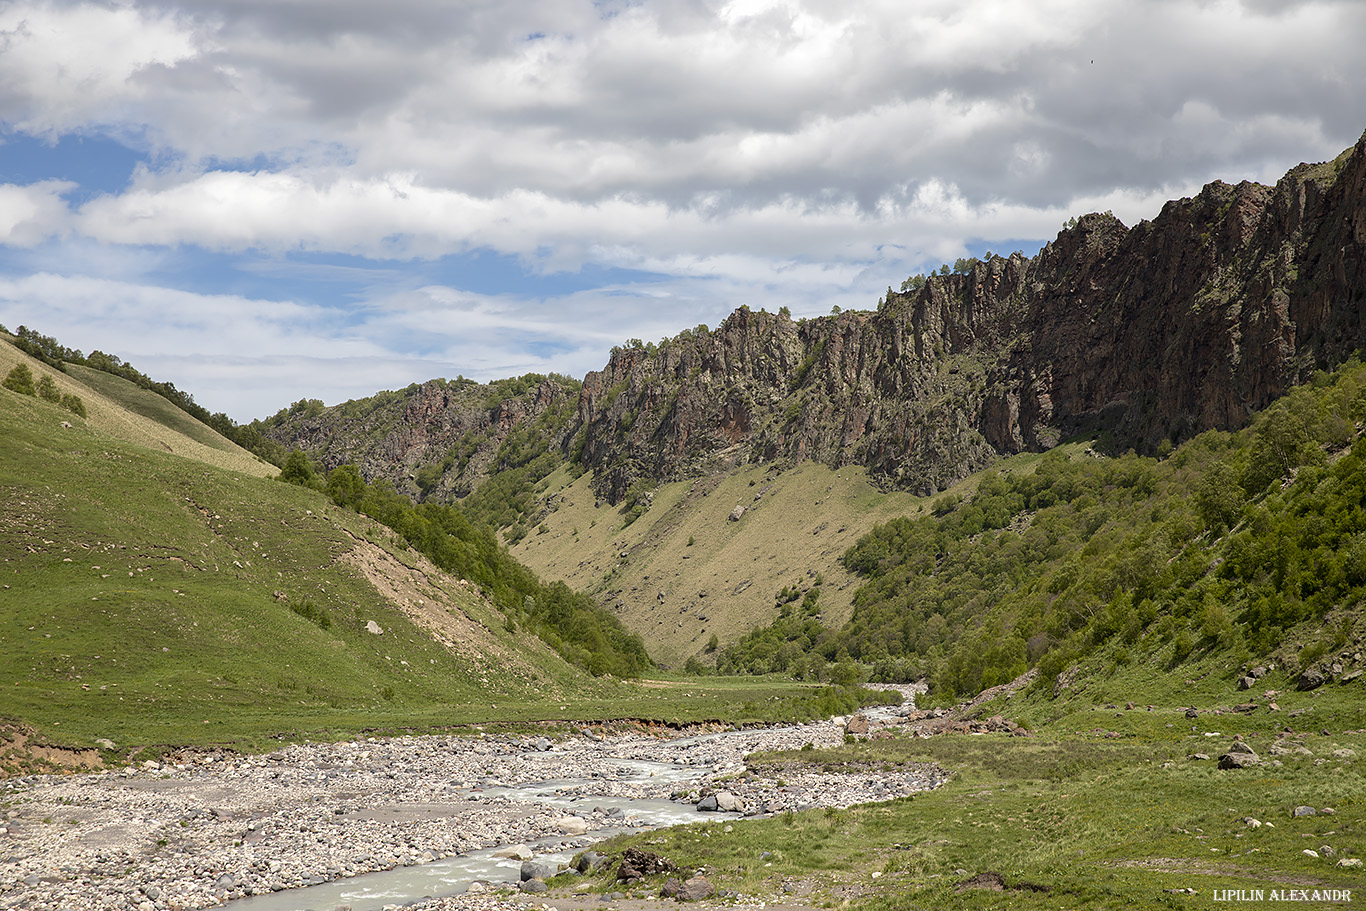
pixel 1311 678
pixel 533 885
pixel 539 869
pixel 736 514
pixel 1239 758
pixel 637 863
pixel 857 724
pixel 373 627
pixel 729 803
pixel 514 852
pixel 1246 683
pixel 696 889
pixel 1304 811
pixel 708 804
pixel 589 861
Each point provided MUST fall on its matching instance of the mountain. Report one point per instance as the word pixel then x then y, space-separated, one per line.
pixel 1138 338
pixel 1148 335
pixel 1154 333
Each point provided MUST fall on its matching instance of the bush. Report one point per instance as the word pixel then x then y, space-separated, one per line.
pixel 47 389
pixel 72 402
pixel 20 380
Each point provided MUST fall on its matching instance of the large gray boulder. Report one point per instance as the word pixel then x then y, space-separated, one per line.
pixel 539 869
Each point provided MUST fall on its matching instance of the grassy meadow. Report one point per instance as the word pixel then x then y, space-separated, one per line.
pixel 1101 807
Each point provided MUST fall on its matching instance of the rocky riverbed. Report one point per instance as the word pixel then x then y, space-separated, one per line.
pixel 211 827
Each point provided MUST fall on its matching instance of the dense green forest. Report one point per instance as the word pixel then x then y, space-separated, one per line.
pixel 1227 542
pixel 571 623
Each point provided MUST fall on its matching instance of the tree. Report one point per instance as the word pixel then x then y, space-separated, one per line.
pixel 47 389
pixel 1219 499
pixel 20 380
pixel 345 486
pixel 73 403
pixel 297 470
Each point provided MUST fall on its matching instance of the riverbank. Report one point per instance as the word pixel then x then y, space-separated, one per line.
pixel 212 827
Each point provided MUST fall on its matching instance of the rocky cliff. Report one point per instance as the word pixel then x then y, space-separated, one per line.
pixel 1144 335
pixel 439 439
pixel 1157 332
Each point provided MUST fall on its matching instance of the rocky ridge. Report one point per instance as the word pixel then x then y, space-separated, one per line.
pixel 1153 333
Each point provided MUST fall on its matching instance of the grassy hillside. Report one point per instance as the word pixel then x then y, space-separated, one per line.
pixel 147 598
pixel 120 410
pixel 716 576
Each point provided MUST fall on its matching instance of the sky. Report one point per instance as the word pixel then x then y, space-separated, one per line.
pixel 269 200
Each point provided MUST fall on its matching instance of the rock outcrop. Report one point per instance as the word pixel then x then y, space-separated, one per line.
pixel 1192 321
pixel 1142 335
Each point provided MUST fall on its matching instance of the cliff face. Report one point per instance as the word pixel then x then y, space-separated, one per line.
pixel 1157 332
pixel 1189 322
pixel 438 439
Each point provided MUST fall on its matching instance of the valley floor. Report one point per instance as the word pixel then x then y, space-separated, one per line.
pixel 204 828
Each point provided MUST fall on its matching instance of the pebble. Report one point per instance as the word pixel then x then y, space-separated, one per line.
pixel 199 830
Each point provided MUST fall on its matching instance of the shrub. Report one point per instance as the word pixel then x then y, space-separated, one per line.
pixel 20 380
pixel 47 389
pixel 72 402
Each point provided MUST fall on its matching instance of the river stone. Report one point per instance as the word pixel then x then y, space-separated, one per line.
pixel 514 852
pixel 707 804
pixel 571 825
pixel 539 869
pixel 729 803
pixel 533 885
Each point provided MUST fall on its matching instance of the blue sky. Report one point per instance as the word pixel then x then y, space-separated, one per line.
pixel 265 200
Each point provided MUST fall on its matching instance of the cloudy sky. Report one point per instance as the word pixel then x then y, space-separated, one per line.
pixel 265 200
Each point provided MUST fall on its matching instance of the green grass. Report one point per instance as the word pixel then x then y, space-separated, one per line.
pixel 150 405
pixel 140 605
pixel 1098 820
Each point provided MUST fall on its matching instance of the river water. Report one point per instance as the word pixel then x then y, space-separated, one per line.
pixel 453 875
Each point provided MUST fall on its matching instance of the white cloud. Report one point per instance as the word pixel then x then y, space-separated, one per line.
pixel 69 67
pixel 769 152
pixel 33 213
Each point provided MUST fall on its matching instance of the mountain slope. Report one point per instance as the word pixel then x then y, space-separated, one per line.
pixel 1148 334
pixel 149 597
pixel 120 410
